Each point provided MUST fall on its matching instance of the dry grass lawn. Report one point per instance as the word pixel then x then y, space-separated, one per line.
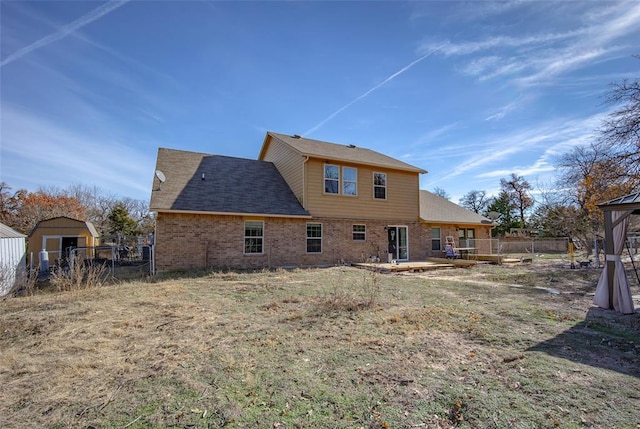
pixel 515 346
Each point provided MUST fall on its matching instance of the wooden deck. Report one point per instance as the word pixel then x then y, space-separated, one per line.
pixel 435 264
pixel 404 266
pixel 460 263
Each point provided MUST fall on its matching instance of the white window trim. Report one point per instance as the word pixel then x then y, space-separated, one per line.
pixel 343 181
pixel 307 238
pixel 359 232
pixel 244 240
pixel 324 179
pixel 60 250
pixel 408 247
pixel 386 185
pixel 439 239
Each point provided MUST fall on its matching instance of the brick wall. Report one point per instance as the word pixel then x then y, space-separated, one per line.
pixel 188 241
pixel 482 235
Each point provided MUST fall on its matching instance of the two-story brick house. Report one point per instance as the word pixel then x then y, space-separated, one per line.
pixel 303 202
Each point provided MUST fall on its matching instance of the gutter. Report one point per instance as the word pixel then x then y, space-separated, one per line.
pixel 231 213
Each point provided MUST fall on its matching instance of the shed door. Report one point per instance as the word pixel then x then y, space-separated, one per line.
pixel 67 244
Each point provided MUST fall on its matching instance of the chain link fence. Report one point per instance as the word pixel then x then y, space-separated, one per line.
pixel 122 261
pixel 503 249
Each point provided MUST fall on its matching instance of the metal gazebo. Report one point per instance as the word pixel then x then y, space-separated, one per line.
pixel 613 287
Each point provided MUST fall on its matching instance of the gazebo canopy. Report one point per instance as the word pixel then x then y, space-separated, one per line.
pixel 613 288
pixel 628 202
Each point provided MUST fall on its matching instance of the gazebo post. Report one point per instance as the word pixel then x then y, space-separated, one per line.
pixel 609 250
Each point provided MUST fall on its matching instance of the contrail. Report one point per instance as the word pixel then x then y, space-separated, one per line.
pixel 66 30
pixel 393 76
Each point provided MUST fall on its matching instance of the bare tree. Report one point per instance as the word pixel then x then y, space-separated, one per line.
pixel 517 189
pixel 441 193
pixel 620 132
pixel 476 201
pixel 592 175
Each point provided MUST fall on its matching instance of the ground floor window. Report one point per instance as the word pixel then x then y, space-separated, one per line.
pixel 359 232
pixel 466 237
pixel 314 238
pixel 436 241
pixel 253 237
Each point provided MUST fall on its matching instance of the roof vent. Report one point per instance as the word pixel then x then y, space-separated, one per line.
pixel 296 136
pixel 352 146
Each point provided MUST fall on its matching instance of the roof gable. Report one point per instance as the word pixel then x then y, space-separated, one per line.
pixel 202 182
pixel 434 208
pixel 338 152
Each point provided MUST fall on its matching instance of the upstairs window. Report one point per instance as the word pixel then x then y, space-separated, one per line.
pixel 380 186
pixel 349 181
pixel 331 179
pixel 340 180
pixel 253 237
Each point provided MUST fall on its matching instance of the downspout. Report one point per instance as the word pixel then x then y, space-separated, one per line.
pixel 152 250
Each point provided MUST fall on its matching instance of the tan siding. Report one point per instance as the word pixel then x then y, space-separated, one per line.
pixel 58 227
pixel 402 201
pixel 289 163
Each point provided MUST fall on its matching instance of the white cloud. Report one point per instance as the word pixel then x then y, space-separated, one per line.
pixel 540 58
pixel 541 144
pixel 497 42
pixel 65 31
pixel 44 153
pixel 502 112
pixel 360 97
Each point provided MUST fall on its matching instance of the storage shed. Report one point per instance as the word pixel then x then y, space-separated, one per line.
pixel 58 235
pixel 12 258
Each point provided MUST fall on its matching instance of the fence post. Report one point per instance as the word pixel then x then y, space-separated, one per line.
pixel 72 259
pixel 533 250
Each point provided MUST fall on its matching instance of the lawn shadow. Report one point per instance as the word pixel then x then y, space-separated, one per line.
pixel 605 339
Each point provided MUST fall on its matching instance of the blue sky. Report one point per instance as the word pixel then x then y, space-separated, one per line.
pixel 470 91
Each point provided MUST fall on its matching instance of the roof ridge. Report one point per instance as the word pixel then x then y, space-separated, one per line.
pixel 341 152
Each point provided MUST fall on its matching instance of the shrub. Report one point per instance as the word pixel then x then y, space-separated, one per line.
pixel 81 274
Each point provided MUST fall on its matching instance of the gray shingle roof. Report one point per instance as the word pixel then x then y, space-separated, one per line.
pixel 340 152
pixel 434 208
pixel 230 185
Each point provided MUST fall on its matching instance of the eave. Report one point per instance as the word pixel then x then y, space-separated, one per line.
pixel 210 213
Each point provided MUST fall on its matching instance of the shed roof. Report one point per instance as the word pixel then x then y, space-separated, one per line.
pixel 434 208
pixel 339 152
pixel 8 232
pixel 88 225
pixel 200 182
